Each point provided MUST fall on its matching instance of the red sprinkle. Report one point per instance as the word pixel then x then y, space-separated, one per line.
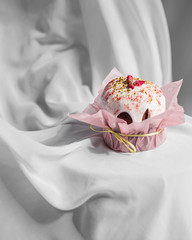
pixel 137 106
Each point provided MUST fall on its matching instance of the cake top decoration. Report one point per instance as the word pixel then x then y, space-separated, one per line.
pixel 133 99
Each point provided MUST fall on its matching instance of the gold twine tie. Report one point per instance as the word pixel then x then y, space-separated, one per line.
pixel 120 137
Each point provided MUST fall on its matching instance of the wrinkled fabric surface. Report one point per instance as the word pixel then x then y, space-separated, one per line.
pixel 58 180
pixel 112 195
pixel 55 54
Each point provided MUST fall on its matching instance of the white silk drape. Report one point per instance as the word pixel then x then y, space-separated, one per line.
pixel 55 54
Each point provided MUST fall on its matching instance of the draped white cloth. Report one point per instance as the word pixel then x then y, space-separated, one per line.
pixel 55 54
pixel 58 180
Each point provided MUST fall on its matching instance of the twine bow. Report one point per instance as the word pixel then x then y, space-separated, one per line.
pixel 121 137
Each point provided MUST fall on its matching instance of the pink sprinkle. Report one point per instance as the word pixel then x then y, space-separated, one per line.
pixel 116 111
pixel 137 106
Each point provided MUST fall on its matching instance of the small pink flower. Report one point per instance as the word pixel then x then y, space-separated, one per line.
pixel 139 82
pixel 131 85
pixel 129 78
pixel 130 81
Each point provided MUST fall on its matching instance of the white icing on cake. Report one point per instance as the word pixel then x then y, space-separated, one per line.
pixel 118 97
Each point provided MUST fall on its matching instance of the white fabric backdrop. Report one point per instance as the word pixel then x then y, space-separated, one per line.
pixel 52 51
pixel 54 56
pixel 179 21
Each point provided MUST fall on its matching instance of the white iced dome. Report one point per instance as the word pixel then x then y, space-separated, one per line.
pixel 133 99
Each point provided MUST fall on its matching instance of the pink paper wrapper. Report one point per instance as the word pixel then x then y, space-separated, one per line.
pixel 95 115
